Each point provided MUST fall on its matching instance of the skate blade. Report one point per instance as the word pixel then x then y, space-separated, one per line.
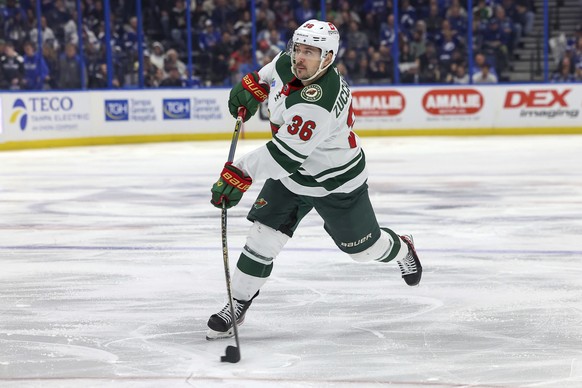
pixel 212 335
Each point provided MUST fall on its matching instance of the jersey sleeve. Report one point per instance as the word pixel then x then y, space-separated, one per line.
pixel 267 72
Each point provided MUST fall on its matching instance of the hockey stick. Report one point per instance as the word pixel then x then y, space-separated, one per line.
pixel 232 353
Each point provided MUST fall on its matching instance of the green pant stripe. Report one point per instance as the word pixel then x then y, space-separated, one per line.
pixel 395 248
pixel 253 268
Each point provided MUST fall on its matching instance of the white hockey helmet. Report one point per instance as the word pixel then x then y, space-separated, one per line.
pixel 316 33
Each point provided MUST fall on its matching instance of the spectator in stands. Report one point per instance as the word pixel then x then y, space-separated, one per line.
pixel 171 60
pixel 524 16
pixel 98 77
pixel 418 41
pixel 508 36
pixel 15 22
pixel 428 65
pixel 459 76
pixel 157 55
pixel 69 29
pixel 222 13
pixel 239 60
pixel 387 33
pixel 457 21
pixel 12 66
pixel 275 41
pixel 173 79
pixel 407 17
pixel 446 49
pixel 579 71
pixel 244 26
pixel 305 12
pixel 356 39
pixel 70 69
pixel 360 76
pixel 385 73
pixel 479 62
pixel 177 24
pixel 454 7
pixel 434 20
pixel 93 14
pixel 58 15
pixel 341 68
pixel 564 73
pixel 569 55
pixel 47 34
pixel 51 59
pixel 264 54
pixel 484 76
pixel 36 71
pixel 482 12
pixel 2 47
pixel 11 9
pixel 406 63
pixel 578 51
pixel 331 13
pixel 350 61
pixel 493 44
pixel 377 8
pixel 130 36
pixel 346 15
pixel 284 13
pixel 209 37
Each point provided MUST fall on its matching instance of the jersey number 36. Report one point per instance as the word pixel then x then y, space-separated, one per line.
pixel 305 130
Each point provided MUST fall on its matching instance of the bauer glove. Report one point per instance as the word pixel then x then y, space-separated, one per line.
pixel 230 187
pixel 248 93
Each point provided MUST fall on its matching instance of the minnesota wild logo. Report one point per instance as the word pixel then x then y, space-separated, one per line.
pixel 312 93
pixel 260 203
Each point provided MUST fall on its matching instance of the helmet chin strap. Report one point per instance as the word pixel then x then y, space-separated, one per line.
pixel 314 76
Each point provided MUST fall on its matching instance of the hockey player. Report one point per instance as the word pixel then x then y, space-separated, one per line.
pixel 313 161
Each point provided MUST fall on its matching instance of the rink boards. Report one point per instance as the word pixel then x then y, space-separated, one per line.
pixel 49 119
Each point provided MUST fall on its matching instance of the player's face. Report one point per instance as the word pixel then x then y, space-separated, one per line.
pixel 307 60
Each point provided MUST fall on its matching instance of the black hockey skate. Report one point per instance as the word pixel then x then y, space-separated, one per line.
pixel 220 324
pixel 410 266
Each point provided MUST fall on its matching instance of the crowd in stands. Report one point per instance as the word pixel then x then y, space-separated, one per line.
pixel 567 53
pixel 432 41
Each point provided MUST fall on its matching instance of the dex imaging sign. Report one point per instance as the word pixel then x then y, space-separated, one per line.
pixel 547 103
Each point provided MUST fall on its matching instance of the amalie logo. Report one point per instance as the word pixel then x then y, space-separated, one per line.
pixel 452 102
pixel 378 103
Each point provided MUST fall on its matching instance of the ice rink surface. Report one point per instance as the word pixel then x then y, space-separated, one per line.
pixel 111 265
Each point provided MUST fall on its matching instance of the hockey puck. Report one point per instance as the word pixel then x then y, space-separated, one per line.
pixel 232 355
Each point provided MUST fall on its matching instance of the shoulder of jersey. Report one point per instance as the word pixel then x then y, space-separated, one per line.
pixel 323 93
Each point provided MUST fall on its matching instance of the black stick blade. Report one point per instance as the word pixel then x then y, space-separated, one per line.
pixel 232 355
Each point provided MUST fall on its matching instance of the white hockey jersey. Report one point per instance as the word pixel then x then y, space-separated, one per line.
pixel 313 151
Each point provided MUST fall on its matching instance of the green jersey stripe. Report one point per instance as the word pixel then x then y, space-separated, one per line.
pixel 343 167
pixel 333 183
pixel 289 149
pixel 288 164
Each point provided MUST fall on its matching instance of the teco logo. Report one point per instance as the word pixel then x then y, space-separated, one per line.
pixel 377 103
pixel 452 102
pixel 536 99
